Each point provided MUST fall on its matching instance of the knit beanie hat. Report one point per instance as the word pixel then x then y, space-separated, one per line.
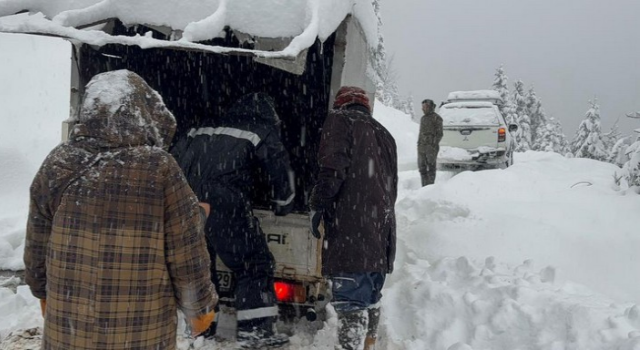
pixel 348 95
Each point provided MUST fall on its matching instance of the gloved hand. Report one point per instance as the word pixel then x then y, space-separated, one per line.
pixel 282 210
pixel 43 305
pixel 200 323
pixel 315 217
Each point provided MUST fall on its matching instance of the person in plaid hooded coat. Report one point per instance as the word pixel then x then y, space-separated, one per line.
pixel 114 242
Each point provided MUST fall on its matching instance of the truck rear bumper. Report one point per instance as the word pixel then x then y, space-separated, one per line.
pixel 485 157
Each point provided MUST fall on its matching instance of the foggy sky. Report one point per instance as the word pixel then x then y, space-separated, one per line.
pixel 570 50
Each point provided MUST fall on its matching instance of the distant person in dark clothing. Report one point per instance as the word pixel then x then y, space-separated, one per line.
pixel 355 195
pixel 220 164
pixel 429 142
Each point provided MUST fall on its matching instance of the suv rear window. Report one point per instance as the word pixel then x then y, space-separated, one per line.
pixel 456 114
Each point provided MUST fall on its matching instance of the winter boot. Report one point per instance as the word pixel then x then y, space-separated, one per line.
pixel 211 331
pixel 372 329
pixel 260 334
pixel 255 340
pixel 351 329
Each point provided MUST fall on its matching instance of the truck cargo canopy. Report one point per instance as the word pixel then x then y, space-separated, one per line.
pixel 188 23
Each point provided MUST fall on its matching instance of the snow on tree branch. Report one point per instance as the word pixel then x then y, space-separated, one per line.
pixel 635 115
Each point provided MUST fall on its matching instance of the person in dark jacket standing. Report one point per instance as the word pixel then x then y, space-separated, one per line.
pixel 114 241
pixel 355 195
pixel 220 164
pixel 429 142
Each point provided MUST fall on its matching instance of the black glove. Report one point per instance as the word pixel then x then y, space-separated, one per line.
pixel 315 216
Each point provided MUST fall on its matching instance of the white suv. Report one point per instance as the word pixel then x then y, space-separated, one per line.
pixel 475 132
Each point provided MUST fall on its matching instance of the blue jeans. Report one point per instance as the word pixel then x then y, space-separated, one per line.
pixel 356 291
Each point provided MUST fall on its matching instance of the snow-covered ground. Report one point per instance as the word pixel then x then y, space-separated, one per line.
pixel 542 255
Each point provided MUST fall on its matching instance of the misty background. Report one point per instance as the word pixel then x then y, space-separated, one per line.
pixel 571 51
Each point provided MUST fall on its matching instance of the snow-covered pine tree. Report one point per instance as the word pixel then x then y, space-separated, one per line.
pixel 409 106
pixel 379 54
pixel 561 144
pixel 523 135
pixel 618 154
pixel 588 143
pixel 500 85
pixel 538 119
pixel 552 138
pixel 630 171
pixel 386 77
pixel 632 167
pixel 611 138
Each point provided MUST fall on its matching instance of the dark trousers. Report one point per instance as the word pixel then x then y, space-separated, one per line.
pixel 355 299
pixel 356 291
pixel 234 235
pixel 429 175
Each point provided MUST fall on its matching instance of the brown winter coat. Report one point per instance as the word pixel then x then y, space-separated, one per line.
pixel 114 240
pixel 357 188
pixel 429 142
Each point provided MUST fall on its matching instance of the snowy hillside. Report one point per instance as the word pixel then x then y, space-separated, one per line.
pixel 542 255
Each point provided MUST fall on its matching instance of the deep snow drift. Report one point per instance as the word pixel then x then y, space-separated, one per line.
pixel 542 255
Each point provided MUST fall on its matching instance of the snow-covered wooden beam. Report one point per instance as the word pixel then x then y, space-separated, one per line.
pixel 39 25
pixel 300 22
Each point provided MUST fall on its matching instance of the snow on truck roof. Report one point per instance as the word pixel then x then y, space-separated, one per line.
pixel 190 21
pixel 469 113
pixel 474 95
pixel 468 104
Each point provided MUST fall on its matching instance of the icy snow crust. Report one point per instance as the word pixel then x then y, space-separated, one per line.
pixel 305 20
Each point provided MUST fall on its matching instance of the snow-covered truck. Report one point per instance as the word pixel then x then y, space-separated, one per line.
pixel 475 133
pixel 201 56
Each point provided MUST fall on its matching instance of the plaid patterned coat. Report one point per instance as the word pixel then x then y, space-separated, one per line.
pixel 114 240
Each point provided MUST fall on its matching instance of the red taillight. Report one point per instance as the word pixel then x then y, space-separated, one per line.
pixel 502 134
pixel 284 291
pixel 290 292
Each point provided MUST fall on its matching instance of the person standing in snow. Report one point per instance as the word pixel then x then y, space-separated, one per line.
pixel 220 164
pixel 114 242
pixel 355 195
pixel 429 142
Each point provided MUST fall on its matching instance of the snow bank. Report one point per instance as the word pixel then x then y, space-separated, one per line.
pixel 404 130
pixel 23 308
pixel 32 108
pixel 556 211
pixel 454 303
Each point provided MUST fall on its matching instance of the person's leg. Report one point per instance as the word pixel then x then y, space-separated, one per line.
pixel 209 238
pixel 242 247
pixel 377 281
pixel 351 296
pixel 255 296
pixel 430 177
pixel 424 179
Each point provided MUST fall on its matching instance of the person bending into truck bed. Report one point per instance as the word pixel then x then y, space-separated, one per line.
pixel 220 164
pixel 355 195
pixel 429 142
